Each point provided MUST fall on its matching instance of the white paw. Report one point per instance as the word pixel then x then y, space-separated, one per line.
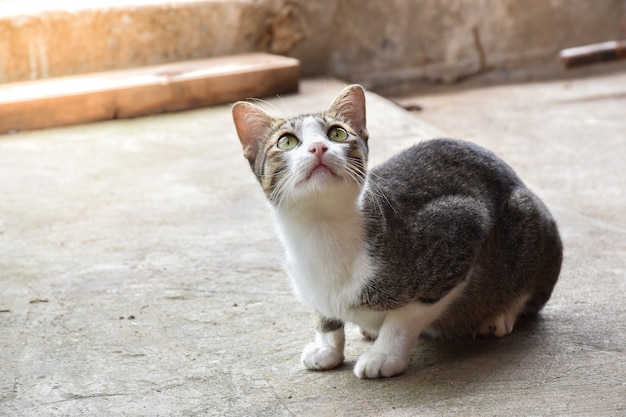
pixel 377 365
pixel 319 357
pixel 367 335
pixel 500 326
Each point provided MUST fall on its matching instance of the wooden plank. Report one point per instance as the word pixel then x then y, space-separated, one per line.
pixel 593 54
pixel 142 91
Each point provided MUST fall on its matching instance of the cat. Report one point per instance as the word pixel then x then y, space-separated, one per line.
pixel 443 239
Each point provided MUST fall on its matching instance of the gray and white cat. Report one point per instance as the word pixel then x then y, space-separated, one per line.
pixel 442 239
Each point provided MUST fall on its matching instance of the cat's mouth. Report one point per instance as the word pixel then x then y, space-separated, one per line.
pixel 320 170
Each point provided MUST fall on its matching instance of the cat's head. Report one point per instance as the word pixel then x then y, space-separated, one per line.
pixel 307 157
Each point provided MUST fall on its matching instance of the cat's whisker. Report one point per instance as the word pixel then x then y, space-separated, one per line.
pixel 358 174
pixel 377 191
pixel 279 191
pixel 288 191
pixel 285 188
pixel 270 107
pixel 353 174
pixel 280 112
pixel 375 198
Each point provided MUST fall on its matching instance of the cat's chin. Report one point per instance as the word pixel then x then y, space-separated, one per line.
pixel 318 175
pixel 322 182
pixel 320 170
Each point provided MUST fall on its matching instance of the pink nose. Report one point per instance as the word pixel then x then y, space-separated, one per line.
pixel 318 148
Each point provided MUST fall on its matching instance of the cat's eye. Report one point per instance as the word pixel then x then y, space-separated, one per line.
pixel 337 134
pixel 287 142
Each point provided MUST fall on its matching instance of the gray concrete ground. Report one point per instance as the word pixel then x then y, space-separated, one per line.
pixel 140 274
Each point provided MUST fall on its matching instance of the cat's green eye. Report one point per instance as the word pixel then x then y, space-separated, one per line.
pixel 287 142
pixel 337 134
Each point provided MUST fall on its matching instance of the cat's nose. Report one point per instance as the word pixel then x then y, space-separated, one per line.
pixel 318 148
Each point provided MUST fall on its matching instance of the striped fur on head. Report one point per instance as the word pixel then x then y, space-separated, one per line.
pixel 282 173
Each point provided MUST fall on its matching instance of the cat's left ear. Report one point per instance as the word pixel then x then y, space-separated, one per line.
pixel 349 105
pixel 252 124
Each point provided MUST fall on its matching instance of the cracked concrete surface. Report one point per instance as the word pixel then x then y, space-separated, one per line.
pixel 140 274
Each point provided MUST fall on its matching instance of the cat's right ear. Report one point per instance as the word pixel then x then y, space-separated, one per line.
pixel 252 124
pixel 350 106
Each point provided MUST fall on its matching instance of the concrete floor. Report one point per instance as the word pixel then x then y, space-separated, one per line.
pixel 140 274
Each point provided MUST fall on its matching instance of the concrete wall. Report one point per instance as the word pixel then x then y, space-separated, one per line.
pixel 446 40
pixel 377 43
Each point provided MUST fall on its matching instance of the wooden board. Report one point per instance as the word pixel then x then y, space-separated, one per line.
pixel 142 91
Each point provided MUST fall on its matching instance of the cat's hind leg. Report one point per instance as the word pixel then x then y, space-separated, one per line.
pixel 503 323
pixel 327 350
pixel 367 335
pixel 500 326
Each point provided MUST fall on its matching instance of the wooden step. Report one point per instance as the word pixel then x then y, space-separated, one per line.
pixel 143 91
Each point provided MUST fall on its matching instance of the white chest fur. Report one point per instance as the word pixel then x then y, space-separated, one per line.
pixel 328 263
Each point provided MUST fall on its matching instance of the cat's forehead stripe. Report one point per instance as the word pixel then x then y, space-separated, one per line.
pixel 289 124
pixel 312 126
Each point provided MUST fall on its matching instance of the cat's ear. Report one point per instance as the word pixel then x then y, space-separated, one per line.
pixel 252 124
pixel 349 105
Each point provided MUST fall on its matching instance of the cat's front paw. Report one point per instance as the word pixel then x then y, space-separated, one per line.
pixel 379 365
pixel 319 357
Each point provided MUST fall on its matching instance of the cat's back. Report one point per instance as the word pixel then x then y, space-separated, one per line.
pixel 439 167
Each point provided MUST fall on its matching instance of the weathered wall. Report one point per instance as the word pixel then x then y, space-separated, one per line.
pixel 55 43
pixel 446 40
pixel 373 42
